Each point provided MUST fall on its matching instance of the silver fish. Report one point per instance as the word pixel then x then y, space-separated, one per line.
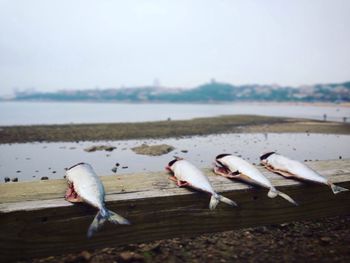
pixel 235 167
pixel 291 168
pixel 186 174
pixel 85 186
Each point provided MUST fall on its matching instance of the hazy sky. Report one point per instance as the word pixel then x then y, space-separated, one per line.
pixel 63 44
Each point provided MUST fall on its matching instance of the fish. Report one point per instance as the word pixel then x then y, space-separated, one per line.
pixel 234 167
pixel 85 186
pixel 186 174
pixel 289 168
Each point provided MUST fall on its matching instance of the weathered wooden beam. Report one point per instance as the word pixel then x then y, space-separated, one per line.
pixel 36 221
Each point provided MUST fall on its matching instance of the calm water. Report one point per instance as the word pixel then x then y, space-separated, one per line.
pixel 26 113
pixel 31 161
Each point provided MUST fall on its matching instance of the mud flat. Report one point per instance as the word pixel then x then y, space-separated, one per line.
pixel 166 129
pixel 31 161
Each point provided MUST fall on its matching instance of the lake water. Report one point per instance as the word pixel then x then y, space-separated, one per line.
pixel 26 113
pixel 31 161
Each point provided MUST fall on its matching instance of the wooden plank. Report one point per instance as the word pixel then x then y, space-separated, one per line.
pixel 36 221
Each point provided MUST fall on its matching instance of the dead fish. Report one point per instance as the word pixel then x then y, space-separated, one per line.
pixel 291 168
pixel 85 186
pixel 186 174
pixel 231 166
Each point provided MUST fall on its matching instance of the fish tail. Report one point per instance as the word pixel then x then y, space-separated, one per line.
pixel 287 197
pixel 274 192
pixel 337 189
pixel 101 217
pixel 216 198
pixel 117 219
pixel 96 224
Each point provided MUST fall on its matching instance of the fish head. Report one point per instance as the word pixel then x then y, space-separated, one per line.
pixel 265 156
pixel 170 166
pixel 219 159
pixel 220 166
pixel 69 171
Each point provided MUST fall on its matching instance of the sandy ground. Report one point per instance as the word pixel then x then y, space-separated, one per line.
pixel 164 129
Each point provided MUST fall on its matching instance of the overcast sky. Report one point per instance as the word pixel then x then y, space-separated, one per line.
pixel 84 44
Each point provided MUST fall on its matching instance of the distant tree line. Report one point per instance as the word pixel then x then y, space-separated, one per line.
pixel 210 92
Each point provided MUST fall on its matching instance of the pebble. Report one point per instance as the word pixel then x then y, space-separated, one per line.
pixel 325 240
pixel 15 179
pixel 128 256
pixel 44 178
pixel 86 255
pixel 7 179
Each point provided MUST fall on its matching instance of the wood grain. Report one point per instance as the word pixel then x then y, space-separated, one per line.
pixel 36 221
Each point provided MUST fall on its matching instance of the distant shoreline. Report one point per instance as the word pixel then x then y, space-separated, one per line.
pixel 331 104
pixel 167 129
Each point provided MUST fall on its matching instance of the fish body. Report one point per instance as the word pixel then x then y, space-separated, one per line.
pixel 234 163
pixel 186 174
pixel 235 167
pixel 291 168
pixel 85 186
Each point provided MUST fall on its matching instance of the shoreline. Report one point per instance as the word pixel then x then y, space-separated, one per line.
pixel 316 103
pixel 167 129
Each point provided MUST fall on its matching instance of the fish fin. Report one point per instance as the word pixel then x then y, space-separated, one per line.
pixel 101 218
pixel 227 200
pixel 117 219
pixel 337 189
pixel 287 197
pixel 272 193
pixel 214 200
pixel 96 224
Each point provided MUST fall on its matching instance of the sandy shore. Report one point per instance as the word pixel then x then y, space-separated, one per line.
pixel 165 129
